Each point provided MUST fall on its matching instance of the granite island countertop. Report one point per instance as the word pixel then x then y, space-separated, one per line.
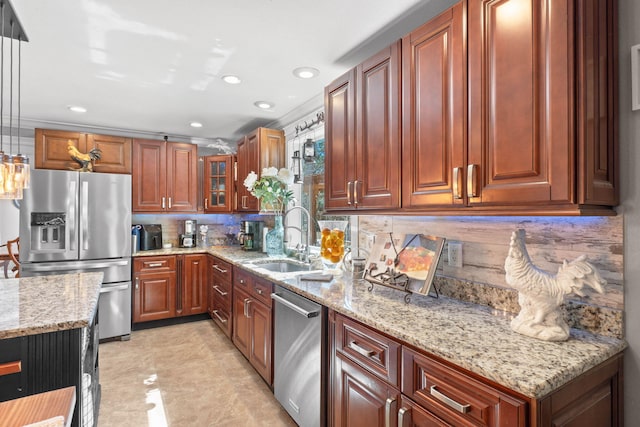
pixel 473 337
pixel 36 305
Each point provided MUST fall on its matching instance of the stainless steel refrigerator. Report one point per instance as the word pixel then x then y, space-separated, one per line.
pixel 76 222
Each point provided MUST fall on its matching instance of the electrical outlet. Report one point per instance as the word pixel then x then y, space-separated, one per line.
pixel 455 254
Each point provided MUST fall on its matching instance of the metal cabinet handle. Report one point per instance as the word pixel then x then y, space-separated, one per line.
pixel 463 409
pixel 164 205
pixel 242 281
pixel 169 202
pixel 456 183
pixel 220 318
pixel 355 192
pixel 221 270
pixel 206 202
pixel 355 347
pixel 137 282
pixel 154 264
pixel 349 185
pixel 471 181
pixel 9 368
pixel 223 293
pixel 258 291
pixel 244 202
pixel 404 417
pixel 247 301
pixel 390 410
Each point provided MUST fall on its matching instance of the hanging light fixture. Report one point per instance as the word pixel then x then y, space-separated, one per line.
pixel 14 169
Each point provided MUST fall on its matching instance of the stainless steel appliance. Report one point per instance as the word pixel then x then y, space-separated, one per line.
pixel 76 222
pixel 250 236
pixel 150 237
pixel 188 237
pixel 299 338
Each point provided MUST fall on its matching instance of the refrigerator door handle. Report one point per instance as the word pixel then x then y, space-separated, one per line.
pixel 106 289
pixel 71 208
pixel 62 266
pixel 84 212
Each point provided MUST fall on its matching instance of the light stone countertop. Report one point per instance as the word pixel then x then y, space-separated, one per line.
pixel 474 337
pixel 36 305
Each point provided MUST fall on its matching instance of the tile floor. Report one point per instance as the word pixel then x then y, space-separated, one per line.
pixel 186 375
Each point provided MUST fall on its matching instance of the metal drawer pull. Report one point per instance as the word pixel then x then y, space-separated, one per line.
pixel 223 293
pixel 292 306
pixel 259 291
pixel 221 270
pixel 390 410
pixel 164 204
pixel 404 417
pixel 355 192
pixel 463 409
pixel 349 184
pixel 220 318
pixel 154 264
pixel 10 368
pixel 456 183
pixel 355 347
pixel 471 181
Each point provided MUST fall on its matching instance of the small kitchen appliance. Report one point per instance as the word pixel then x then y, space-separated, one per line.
pixel 150 237
pixel 250 236
pixel 188 237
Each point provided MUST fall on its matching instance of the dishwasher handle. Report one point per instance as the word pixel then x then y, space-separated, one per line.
pixel 292 306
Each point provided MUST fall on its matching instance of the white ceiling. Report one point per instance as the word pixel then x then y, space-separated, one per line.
pixel 155 65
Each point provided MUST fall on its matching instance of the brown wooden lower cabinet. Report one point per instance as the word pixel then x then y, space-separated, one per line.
pixel 169 286
pixel 253 321
pixel 220 276
pixel 435 393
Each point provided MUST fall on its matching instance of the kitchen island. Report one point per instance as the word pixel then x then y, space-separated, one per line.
pixel 474 339
pixel 49 340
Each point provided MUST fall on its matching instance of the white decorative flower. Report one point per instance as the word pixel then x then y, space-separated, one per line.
pixel 272 171
pixel 285 176
pixel 250 180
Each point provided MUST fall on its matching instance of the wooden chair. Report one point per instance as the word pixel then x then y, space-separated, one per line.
pixel 12 256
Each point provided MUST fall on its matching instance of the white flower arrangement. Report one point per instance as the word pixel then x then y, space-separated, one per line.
pixel 272 189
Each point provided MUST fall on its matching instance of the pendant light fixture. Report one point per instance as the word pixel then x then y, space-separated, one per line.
pixel 14 169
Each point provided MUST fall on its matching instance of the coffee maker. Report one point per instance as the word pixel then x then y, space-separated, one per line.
pixel 188 238
pixel 250 236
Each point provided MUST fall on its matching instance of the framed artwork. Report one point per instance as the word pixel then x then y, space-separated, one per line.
pixel 407 261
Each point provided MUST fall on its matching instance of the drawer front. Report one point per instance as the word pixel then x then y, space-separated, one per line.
pixel 262 290
pixel 222 270
pixel 242 279
pixel 221 296
pixel 154 264
pixel 376 353
pixel 455 397
pixel 222 318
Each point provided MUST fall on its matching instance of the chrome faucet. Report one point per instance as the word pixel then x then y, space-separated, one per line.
pixel 306 256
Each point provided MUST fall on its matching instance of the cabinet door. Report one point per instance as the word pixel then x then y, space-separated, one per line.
pixel 243 197
pixel 241 325
pixel 149 179
pixel 261 348
pixel 252 143
pixel 359 399
pixel 412 415
pixel 194 284
pixel 377 184
pixel 182 177
pixel 154 296
pixel 434 105
pixel 116 153
pixel 218 183
pixel 51 148
pixel 340 170
pixel 521 137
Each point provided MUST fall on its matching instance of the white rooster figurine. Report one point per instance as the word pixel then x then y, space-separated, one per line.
pixel 540 293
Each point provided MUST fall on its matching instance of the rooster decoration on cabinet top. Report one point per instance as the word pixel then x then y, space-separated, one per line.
pixel 540 294
pixel 84 160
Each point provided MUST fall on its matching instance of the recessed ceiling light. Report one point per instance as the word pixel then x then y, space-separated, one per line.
pixel 305 72
pixel 264 105
pixel 195 124
pixel 231 79
pixel 77 109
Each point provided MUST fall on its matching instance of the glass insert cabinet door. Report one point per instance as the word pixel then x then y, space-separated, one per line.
pixel 218 183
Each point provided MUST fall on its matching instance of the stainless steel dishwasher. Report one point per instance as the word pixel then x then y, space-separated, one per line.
pixel 299 357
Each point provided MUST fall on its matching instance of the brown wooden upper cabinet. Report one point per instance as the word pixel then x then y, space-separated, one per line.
pixel 218 183
pixel 362 110
pixel 165 177
pixel 522 122
pixel 260 149
pixel 51 150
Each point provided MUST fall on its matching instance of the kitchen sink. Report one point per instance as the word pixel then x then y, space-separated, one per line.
pixel 284 266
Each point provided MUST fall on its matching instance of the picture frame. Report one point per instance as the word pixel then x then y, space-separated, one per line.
pixel 406 261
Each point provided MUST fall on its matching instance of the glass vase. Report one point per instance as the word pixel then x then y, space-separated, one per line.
pixel 274 239
pixel 332 243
